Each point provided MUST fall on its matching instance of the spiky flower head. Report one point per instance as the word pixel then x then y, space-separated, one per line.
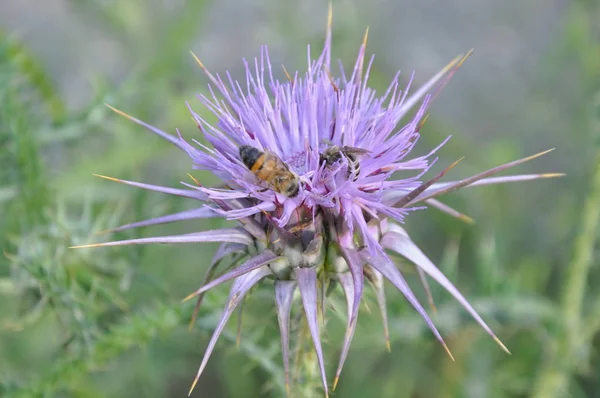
pixel 308 165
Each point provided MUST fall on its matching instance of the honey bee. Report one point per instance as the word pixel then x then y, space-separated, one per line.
pixel 334 154
pixel 267 167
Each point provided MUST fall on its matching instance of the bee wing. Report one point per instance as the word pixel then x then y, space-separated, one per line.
pixel 355 151
pixel 280 163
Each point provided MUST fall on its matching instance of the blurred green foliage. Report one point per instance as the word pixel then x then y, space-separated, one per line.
pixel 109 322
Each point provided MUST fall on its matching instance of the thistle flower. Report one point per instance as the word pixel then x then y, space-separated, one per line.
pixel 312 191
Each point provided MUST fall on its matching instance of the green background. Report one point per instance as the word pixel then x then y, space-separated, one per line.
pixel 108 322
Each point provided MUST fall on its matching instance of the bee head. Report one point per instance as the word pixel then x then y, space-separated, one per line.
pixel 330 156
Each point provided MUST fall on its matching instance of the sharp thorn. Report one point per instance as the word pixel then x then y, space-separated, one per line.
pixel 287 74
pixel 467 219
pixel 365 37
pixel 190 296
pixel 335 382
pixel 448 351
pixel 193 386
pixel 193 179
pixel 86 246
pixel 501 344
pixel 107 178
pixel 422 122
pixel 552 175
pixel 104 232
pixel 198 61
pixel 119 112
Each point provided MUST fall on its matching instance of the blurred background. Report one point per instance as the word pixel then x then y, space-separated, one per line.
pixel 108 322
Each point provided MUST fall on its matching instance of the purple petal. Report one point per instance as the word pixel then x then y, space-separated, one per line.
pixel 376 280
pixel 307 283
pixel 384 265
pixel 217 235
pixel 402 245
pixel 284 294
pixel 346 280
pixel 250 265
pixel 238 290
pixel 202 212
pixel 186 193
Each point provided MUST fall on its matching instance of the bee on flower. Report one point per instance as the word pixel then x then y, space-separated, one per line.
pixel 308 167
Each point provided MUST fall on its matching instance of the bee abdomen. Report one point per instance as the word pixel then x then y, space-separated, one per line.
pixel 353 166
pixel 249 155
pixel 293 189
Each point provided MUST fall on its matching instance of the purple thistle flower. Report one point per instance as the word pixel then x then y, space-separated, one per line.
pixel 312 189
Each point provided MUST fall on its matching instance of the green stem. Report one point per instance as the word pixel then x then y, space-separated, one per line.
pixel 584 247
pixel 566 352
pixel 554 375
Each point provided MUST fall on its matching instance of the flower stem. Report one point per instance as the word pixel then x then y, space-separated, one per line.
pixel 569 345
pixel 554 375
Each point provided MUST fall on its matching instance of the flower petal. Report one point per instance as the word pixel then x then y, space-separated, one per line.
pixel 307 283
pixel 238 290
pixel 255 262
pixel 284 294
pixel 233 235
pixel 384 265
pixel 403 245
pixel 201 212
